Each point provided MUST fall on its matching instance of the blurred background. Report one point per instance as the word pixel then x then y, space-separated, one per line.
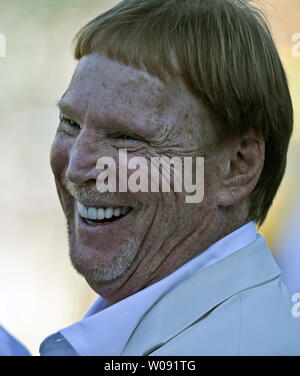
pixel 40 292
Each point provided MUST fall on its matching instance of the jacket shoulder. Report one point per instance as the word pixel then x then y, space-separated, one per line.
pixel 256 321
pixel 268 326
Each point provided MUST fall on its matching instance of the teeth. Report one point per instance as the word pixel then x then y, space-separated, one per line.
pixel 125 210
pixel 101 213
pixel 91 223
pixel 109 212
pixel 91 213
pixel 82 210
pixel 117 212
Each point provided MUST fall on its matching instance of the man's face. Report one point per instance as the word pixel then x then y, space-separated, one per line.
pixel 107 107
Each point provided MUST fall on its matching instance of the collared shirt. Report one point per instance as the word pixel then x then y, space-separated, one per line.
pixel 287 249
pixel 105 330
pixel 9 346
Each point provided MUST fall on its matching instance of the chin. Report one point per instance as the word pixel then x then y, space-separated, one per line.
pixel 89 263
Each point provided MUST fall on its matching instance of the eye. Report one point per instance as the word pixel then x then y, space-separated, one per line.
pixel 70 122
pixel 73 123
pixel 126 137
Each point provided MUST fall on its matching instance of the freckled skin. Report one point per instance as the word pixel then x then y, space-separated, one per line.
pixel 171 122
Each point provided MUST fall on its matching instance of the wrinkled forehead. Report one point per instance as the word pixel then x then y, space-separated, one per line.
pixel 102 88
pixel 109 82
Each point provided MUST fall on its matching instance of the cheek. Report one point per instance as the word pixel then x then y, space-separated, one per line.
pixel 60 151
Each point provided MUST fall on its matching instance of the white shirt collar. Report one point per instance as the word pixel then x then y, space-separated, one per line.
pixel 105 330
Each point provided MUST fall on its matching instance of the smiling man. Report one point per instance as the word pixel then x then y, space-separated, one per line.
pixel 176 79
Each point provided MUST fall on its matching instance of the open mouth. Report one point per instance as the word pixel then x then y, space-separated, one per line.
pixel 101 216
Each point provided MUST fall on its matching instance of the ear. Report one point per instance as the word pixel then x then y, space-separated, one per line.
pixel 242 164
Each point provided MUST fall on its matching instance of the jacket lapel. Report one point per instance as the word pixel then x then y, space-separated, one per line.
pixel 197 296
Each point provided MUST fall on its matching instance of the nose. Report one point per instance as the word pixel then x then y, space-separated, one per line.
pixel 83 159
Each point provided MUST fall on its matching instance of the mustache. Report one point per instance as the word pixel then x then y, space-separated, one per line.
pixel 89 192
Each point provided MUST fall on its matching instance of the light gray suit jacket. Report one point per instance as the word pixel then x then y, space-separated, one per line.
pixel 238 306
